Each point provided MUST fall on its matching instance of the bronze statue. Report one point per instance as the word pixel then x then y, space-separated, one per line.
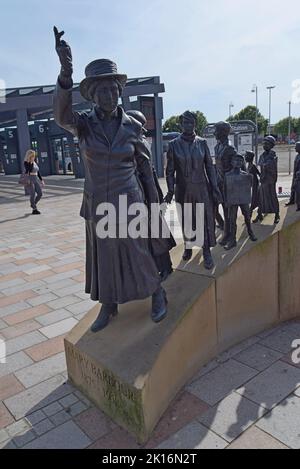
pixel 191 177
pixel 118 269
pixel 224 153
pixel 292 200
pixel 254 171
pixel 297 190
pixel 268 201
pixel 238 192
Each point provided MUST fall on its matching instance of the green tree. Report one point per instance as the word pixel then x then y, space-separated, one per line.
pixel 282 127
pixel 249 113
pixel 172 124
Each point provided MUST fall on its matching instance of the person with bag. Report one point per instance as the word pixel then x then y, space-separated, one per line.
pixel 35 181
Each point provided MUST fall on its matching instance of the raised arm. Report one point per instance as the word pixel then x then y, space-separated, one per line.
pixel 62 100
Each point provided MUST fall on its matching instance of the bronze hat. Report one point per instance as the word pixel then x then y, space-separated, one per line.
pixel 98 70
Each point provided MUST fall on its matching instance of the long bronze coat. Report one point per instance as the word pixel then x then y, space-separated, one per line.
pixel 191 174
pixel 117 270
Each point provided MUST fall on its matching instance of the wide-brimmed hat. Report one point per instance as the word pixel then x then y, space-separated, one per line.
pixel 98 70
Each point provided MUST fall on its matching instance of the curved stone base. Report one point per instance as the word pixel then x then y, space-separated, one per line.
pixel 134 368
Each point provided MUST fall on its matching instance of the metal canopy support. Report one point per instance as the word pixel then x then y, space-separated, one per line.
pixel 23 133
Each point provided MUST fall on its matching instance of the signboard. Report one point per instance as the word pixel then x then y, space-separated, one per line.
pixel 147 107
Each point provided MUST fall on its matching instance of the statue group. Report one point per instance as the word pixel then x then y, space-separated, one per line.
pixel 117 162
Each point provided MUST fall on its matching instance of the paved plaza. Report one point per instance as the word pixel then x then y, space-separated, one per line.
pixel 249 397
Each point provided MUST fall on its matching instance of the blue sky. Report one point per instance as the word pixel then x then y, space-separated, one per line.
pixel 207 52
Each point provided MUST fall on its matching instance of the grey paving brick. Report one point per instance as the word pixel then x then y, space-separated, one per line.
pixel 24 341
pixel 8 445
pixel 69 400
pixel 69 290
pixel 60 418
pixel 22 288
pixel 77 408
pixel 11 283
pixel 53 409
pixel 22 440
pixel 38 396
pixel 81 307
pixel 35 417
pixel 219 383
pixel 283 422
pixel 3 325
pixel 43 427
pixel 194 436
pixel 42 370
pixel 41 299
pixel 281 341
pixel 18 428
pixel 59 328
pixel 14 363
pixel 62 302
pixel 14 308
pixel 66 436
pixel 233 351
pixel 258 357
pixel 44 289
pixel 272 385
pixel 4 436
pixel 53 317
pixel 62 276
pixel 231 417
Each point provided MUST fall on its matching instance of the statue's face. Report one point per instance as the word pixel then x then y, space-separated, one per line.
pixel 268 146
pixel 298 147
pixel 222 132
pixel 106 95
pixel 188 126
pixel 237 163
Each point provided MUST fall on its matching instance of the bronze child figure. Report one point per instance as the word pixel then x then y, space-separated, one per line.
pixel 238 188
pixel 118 269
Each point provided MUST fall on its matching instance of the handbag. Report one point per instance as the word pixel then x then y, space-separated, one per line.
pixel 24 179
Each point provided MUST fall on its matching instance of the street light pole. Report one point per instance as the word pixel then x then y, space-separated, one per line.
pixel 231 105
pixel 289 139
pixel 255 90
pixel 270 88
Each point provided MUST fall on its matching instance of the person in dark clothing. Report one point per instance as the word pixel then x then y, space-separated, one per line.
pixel 268 200
pixel 292 200
pixel 31 168
pixel 254 171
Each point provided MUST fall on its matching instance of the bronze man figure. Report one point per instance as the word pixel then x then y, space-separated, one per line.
pixel 118 269
pixel 191 176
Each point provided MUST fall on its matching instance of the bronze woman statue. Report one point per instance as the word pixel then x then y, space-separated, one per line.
pixel 191 176
pixel 118 269
pixel 268 200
